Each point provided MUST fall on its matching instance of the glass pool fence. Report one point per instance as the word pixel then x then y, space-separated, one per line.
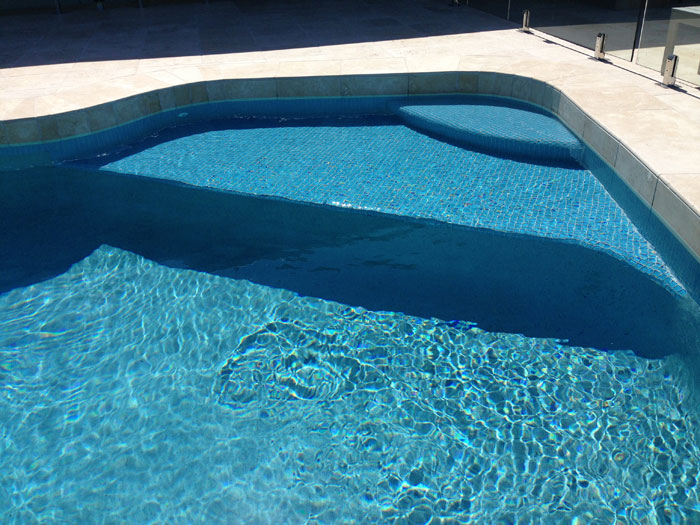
pixel 641 31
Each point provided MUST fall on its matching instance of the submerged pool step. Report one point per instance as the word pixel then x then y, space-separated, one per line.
pixel 498 126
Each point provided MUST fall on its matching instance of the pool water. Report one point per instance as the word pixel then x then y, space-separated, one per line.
pixel 196 332
pixel 376 163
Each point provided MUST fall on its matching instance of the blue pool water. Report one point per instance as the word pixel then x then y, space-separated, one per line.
pixel 331 320
pixel 134 391
pixel 379 164
pixel 495 125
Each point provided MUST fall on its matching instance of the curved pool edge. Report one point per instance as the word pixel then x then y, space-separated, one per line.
pixel 29 141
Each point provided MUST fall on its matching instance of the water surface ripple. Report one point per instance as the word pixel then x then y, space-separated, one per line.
pixel 135 392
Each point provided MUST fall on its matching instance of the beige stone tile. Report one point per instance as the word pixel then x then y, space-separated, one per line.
pixel 551 98
pixel 18 108
pixel 664 139
pixel 298 79
pixel 8 105
pixel 40 91
pixel 127 109
pixel 687 185
pixel 678 216
pixel 253 88
pixel 23 83
pixel 468 82
pixel 232 89
pixel 166 77
pixel 174 97
pixel 528 89
pixel 419 64
pixel 541 70
pixel 371 84
pixel 258 69
pixel 150 102
pixel 483 62
pixel 301 54
pixel 48 128
pixel 603 102
pixel 114 67
pixel 309 68
pixel 499 84
pixel 156 64
pixel 594 80
pixel 72 123
pixel 601 141
pixel 101 117
pixel 420 83
pixel 224 58
pixel 138 83
pixel 30 86
pixel 87 73
pixel 313 86
pixel 20 131
pixel 209 73
pixel 198 93
pixel 688 106
pixel 188 74
pixel 54 104
pixel 659 156
pixel 360 51
pixel 636 175
pixel 89 97
pixel 373 66
pixel 571 115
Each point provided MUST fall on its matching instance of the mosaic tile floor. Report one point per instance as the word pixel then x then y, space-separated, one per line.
pixel 494 125
pixel 376 163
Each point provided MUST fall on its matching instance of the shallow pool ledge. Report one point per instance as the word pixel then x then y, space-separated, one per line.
pixel 34 140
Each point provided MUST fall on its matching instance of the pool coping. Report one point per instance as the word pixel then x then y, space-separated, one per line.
pixel 658 194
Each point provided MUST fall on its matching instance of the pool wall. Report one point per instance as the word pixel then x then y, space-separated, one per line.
pixel 52 138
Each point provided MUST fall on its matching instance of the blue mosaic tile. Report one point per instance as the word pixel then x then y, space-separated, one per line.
pixel 28 155
pixel 493 124
pixel 377 163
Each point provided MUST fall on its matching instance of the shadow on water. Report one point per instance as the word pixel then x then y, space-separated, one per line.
pixel 52 218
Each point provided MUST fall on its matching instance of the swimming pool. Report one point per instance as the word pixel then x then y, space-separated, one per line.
pixel 286 319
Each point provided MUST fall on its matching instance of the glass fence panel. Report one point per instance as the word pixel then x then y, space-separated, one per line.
pixel 672 29
pixel 579 21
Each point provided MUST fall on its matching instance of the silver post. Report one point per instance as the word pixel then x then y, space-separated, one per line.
pixel 600 46
pixel 670 68
pixel 526 21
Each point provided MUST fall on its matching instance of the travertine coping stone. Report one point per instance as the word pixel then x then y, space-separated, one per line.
pixel 679 212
